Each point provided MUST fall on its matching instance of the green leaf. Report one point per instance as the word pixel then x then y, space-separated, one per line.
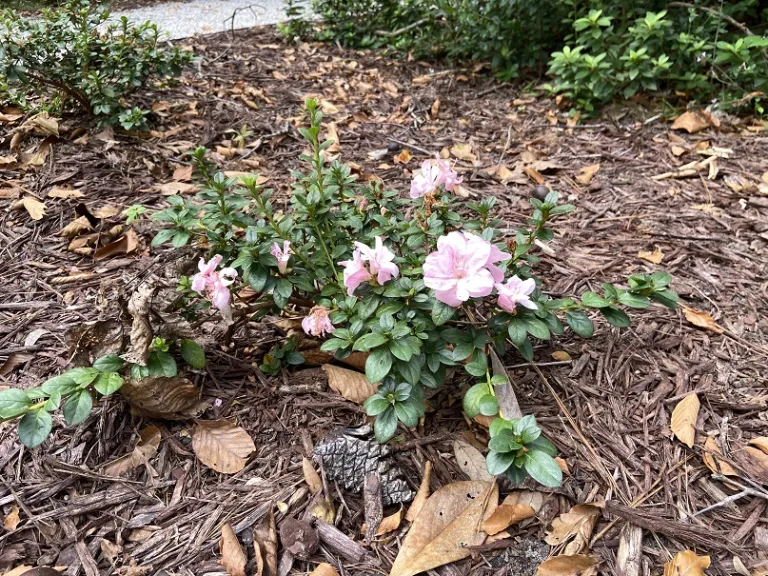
pixel 543 468
pixel 616 317
pixel 667 298
pixel 498 425
pixel 333 345
pixel 517 331
pixel 516 475
pixel 594 300
pixel 385 425
pixel 462 351
pixel 441 313
pixel 499 462
pixel 52 403
pixel 473 397
pixel 488 405
pixel 78 407
pixel 634 300
pixel 378 364
pixel 34 427
pixel 161 364
pixel 536 328
pixel 366 307
pixel 580 324
pixel 543 445
pixel 526 349
pixel 163 236
pixel 408 412
pixel 402 349
pixel 109 363
pixel 504 441
pixel 108 383
pixel 479 364
pixel 193 353
pixel 62 385
pixel 138 372
pixel 284 288
pixel 369 342
pixel 13 402
pixel 82 376
pixel 376 404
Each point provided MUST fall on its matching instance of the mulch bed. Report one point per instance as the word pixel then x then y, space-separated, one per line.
pixel 608 410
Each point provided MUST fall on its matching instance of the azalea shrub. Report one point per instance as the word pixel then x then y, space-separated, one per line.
pixel 422 283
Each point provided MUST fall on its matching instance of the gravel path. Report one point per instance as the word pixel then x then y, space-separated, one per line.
pixel 184 19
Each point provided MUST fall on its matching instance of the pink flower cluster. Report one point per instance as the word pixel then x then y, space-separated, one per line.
pixel 433 173
pixel 213 284
pixel 317 323
pixel 368 263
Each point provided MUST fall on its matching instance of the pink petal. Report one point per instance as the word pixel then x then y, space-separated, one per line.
pixel 448 297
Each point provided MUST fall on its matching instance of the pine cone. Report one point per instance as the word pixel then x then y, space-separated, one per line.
pixel 347 458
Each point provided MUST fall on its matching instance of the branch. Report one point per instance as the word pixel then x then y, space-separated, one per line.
pixel 717 13
pixel 82 100
pixel 402 30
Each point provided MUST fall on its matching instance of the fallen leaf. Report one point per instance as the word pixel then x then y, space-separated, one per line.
pixel 8 162
pixel 265 545
pixel 761 442
pixel 324 510
pixel 222 446
pixel 324 569
pixel 684 419
pixel 146 448
pixel 43 124
pixel 587 173
pixel 654 257
pixel 713 463
pixel 298 537
pixel 463 152
pixel 126 244
pixel 328 107
pixel 311 477
pixel 18 571
pixel 435 110
pixel 172 398
pixel 678 150
pixel 14 360
pixel 421 80
pixel 171 188
pixel 352 385
pixel 702 320
pixel 422 494
pixel 505 515
pixel 12 519
pixel 33 206
pixel 447 524
pixel 551 117
pixel 562 464
pixel 686 563
pixel 233 557
pixel 575 525
pixel 76 227
pixel 471 461
pixel 183 173
pixel 573 565
pixel 62 192
pixel 277 75
pixel 332 133
pixel 561 356
pixel 757 462
pixel 693 121
pixel 390 523
pixel 403 158
pixel 107 211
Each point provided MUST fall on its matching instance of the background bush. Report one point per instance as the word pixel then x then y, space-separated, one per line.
pixel 593 50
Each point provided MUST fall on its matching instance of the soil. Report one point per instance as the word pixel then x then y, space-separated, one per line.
pixel 607 409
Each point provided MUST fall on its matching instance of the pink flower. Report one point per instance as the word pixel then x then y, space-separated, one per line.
pixel 496 256
pixel 425 182
pixel 447 177
pixel 460 268
pixel 355 272
pixel 516 291
pixel 317 323
pixel 379 260
pixel 282 255
pixel 212 283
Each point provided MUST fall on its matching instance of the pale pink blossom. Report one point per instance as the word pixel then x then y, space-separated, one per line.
pixel 213 284
pixel 317 323
pixel 282 255
pixel 379 260
pixel 426 181
pixel 355 272
pixel 447 177
pixel 496 256
pixel 461 268
pixel 516 291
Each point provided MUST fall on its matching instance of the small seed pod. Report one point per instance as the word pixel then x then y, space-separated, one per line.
pixel 540 192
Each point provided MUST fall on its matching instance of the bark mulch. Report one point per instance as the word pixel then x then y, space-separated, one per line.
pixel 608 409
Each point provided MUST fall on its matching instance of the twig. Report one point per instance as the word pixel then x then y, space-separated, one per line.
pixel 402 30
pixel 422 150
pixel 717 13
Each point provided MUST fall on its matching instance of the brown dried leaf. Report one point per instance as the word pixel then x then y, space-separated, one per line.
pixel 422 494
pixel 126 244
pixel 694 121
pixel 654 257
pixel 15 359
pixel 575 525
pixel 574 565
pixel 171 188
pixel 702 320
pixel 173 398
pixel 463 152
pixel 448 523
pixel 713 463
pixel 531 498
pixel 265 543
pixel 141 330
pixel 311 477
pixel 92 340
pixel 587 173
pixel 76 227
pixel 761 442
pixel 534 175
pixel 63 192
pixel 107 211
pixel 684 419
pixel 146 448
pixel 403 158
pixel 42 124
pixel 12 519
pixel 506 515
pixel 332 133
pixel 324 569
pixel 561 356
pixel 435 110
pixel 222 446
pixel 328 107
pixel 686 563
pixel 678 150
pixel 233 557
pixel 33 206
pixel 352 385
pixel 471 461
pixel 422 80
pixel 183 173
pixel 390 523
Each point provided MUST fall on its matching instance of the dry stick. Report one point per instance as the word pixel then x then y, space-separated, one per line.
pixel 601 469
pixel 402 30
pixel 717 13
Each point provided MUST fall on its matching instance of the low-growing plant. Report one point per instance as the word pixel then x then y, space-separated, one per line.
pixel 422 285
pixel 73 57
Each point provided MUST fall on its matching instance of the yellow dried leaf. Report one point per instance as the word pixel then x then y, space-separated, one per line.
pixel 352 385
pixel 76 227
pixel 107 211
pixel 183 173
pixel 171 188
pixel 222 446
pixel 654 257
pixel 324 569
pixel 463 152
pixel 506 515
pixel 33 206
pixel 390 523
pixel 265 545
pixel 435 110
pixel 62 192
pixel 12 519
pixel 561 356
pixel 761 442
pixel 693 121
pixel 684 419
pixel 471 461
pixel 572 565
pixel 328 107
pixel 575 525
pixel 146 448
pixel 421 80
pixel 403 158
pixel 678 150
pixel 686 563
pixel 447 525
pixel 332 133
pixel 422 494
pixel 233 557
pixel 702 320
pixel 311 477
pixel 587 173
pixel 713 463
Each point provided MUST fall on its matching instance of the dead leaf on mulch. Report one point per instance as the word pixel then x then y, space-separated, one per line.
pixel 695 121
pixel 172 398
pixel 447 524
pixel 686 563
pixel 12 519
pixel 684 419
pixel 506 515
pixel 352 385
pixel 126 244
pixel 146 448
pixel 222 446
pixel 324 569
pixel 332 133
pixel 76 227
pixel 34 207
pixel 175 187
pixel 92 340
pixel 390 523
pixel 14 360
pixel 587 173
pixel 183 173
pixel 422 494
pixel 233 557
pixel 702 320
pixel 311 477
pixel 403 158
pixel 463 152
pixel 575 525
pixel 713 463
pixel 572 565
pixel 471 461
pixel 265 545
pixel 654 257
pixel 62 192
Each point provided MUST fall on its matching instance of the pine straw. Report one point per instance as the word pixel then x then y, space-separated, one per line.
pixel 611 423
